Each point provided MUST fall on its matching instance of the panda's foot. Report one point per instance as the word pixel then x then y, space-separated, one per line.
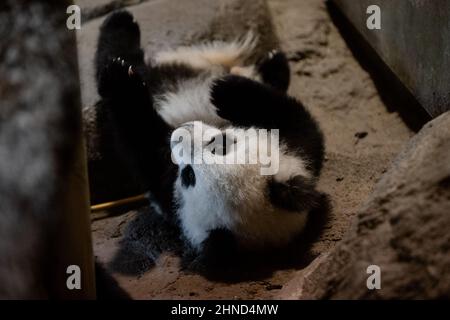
pixel 119 37
pixel 274 70
pixel 120 79
pixel 120 26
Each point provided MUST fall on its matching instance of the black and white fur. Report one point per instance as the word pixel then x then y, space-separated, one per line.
pixel 231 206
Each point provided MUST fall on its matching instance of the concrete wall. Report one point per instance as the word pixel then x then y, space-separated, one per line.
pixel 414 41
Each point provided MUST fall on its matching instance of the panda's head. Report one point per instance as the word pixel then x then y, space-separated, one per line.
pixel 220 186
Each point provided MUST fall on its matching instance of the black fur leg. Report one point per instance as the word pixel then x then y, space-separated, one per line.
pixel 142 136
pixel 124 83
pixel 274 70
pixel 119 37
pixel 295 194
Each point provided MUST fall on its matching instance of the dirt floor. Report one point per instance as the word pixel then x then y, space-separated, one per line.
pixel 362 137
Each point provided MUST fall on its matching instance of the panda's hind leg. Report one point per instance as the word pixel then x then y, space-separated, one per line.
pixel 274 70
pixel 119 38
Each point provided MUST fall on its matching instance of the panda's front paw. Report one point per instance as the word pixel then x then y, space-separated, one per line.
pixel 119 78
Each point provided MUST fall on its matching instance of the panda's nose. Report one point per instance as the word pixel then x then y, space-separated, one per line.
pixel 187 176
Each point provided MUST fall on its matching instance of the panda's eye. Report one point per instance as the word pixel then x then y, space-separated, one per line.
pixel 220 144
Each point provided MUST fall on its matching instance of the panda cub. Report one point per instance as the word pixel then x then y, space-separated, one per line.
pixel 210 86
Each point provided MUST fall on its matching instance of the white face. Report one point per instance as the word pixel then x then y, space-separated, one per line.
pixel 230 195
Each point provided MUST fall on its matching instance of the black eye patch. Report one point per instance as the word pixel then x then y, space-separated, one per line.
pixel 187 177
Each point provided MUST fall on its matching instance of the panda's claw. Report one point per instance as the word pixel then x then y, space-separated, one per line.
pixel 119 76
pixel 272 53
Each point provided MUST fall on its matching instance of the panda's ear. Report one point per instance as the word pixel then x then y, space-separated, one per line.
pixel 296 194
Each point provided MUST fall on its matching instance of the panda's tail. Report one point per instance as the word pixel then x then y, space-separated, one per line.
pixel 216 53
pixel 120 37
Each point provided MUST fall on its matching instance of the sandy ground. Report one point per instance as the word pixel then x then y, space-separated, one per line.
pixel 362 137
